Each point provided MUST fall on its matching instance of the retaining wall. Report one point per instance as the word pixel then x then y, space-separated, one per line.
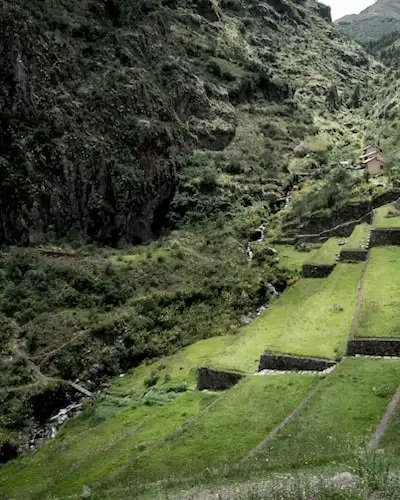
pixel 343 230
pixel 317 270
pixel 216 380
pixel 374 347
pixel 285 362
pixel 318 225
pixel 384 237
pixel 353 255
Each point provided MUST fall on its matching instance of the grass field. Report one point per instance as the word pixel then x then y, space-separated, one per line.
pixel 326 255
pixel 97 443
pixel 135 448
pixel 379 314
pixel 219 438
pixel 338 420
pixel 292 259
pixel 303 321
pixel 141 446
pixel 387 217
pixel 359 237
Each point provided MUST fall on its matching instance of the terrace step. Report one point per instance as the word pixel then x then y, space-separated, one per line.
pixel 385 237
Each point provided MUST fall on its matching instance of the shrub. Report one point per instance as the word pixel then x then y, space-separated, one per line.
pixel 208 183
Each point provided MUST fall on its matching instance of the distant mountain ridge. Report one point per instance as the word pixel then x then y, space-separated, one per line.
pixel 376 21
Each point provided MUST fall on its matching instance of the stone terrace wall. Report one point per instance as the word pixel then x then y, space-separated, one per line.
pixel 285 362
pixel 353 255
pixel 317 271
pixel 347 213
pixel 216 380
pixel 342 231
pixel 374 347
pixel 384 237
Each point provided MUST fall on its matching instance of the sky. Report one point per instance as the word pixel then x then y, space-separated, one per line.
pixel 343 7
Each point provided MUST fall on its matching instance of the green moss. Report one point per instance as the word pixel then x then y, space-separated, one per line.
pixel 387 217
pixel 338 420
pixel 379 316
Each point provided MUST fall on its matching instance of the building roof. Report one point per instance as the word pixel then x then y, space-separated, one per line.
pixel 365 155
pixel 377 148
pixel 374 156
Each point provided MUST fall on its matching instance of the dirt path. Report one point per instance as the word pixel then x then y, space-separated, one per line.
pixel 360 296
pixel 383 424
pixel 292 416
pixel 47 355
pixel 40 377
pixel 17 388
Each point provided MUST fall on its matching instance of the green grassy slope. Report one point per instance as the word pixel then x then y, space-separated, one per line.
pixel 292 259
pixel 387 217
pixel 379 309
pixel 98 444
pixel 359 238
pixel 339 419
pixel 304 321
pixel 327 254
pixel 131 443
pixel 390 442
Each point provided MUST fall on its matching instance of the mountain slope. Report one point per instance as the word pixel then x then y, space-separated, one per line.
pixel 376 21
pixel 99 103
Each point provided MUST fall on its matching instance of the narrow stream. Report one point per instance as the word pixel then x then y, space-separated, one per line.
pixel 260 232
pixel 42 433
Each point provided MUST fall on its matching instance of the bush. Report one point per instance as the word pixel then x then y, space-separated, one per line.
pixel 208 183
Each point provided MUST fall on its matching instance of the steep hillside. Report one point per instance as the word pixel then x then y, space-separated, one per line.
pixel 376 21
pixel 100 102
pixel 384 111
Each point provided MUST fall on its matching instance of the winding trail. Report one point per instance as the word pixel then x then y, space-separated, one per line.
pixel 40 377
pixel 42 358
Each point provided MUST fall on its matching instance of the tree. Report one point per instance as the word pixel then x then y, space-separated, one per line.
pixel 355 98
pixel 333 99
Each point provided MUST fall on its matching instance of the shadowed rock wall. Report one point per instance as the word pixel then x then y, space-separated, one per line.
pixel 216 380
pixel 284 362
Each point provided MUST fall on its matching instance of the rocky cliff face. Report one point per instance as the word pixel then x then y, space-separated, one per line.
pixel 87 138
pixel 99 100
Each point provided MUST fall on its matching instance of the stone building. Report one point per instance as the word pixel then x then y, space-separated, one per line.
pixel 373 160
